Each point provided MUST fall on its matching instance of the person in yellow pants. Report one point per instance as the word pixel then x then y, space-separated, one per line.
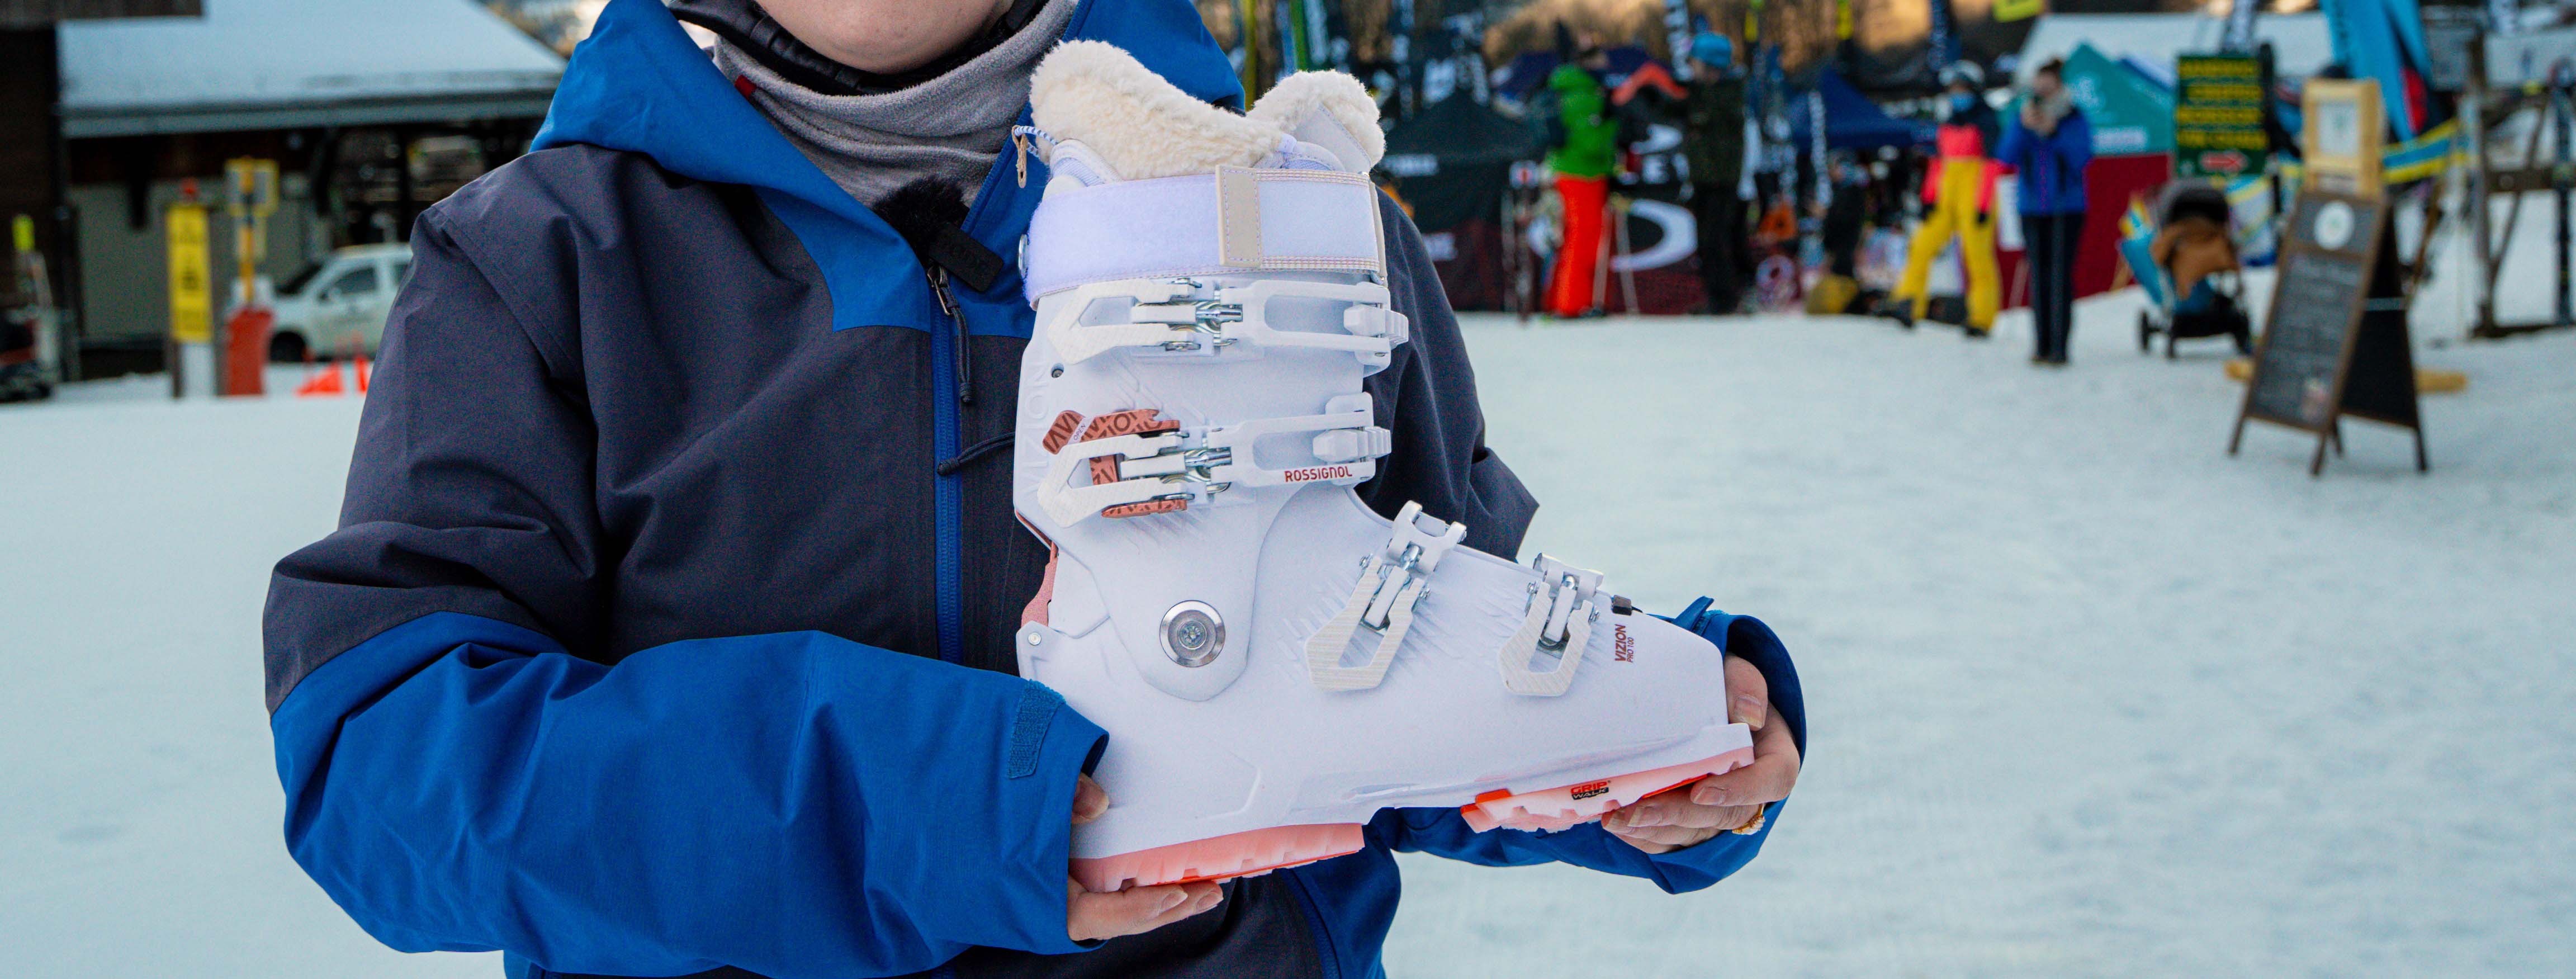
pixel 1961 190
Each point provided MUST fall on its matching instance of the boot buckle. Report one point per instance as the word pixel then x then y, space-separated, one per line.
pixel 1179 467
pixel 1188 316
pixel 1391 582
pixel 1563 605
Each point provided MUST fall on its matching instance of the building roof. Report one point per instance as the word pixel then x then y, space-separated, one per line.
pixel 2301 43
pixel 279 64
pixel 46 13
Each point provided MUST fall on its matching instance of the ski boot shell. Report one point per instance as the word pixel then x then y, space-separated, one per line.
pixel 1274 661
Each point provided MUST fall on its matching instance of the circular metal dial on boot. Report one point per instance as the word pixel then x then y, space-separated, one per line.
pixel 1193 635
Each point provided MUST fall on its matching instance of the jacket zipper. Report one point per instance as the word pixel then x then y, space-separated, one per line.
pixel 962 363
pixel 951 372
pixel 948 392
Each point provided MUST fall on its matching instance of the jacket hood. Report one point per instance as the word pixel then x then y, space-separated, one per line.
pixel 640 84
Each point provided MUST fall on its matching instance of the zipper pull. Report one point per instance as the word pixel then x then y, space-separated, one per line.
pixel 1020 155
pixel 958 357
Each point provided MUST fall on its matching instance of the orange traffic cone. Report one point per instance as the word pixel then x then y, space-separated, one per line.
pixel 364 372
pixel 323 385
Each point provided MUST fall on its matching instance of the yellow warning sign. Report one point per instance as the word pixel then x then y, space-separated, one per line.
pixel 192 299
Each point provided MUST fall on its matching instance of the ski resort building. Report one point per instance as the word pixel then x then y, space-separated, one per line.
pixel 372 110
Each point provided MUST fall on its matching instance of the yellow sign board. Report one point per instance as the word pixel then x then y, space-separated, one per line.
pixel 250 196
pixel 192 297
pixel 2012 10
pixel 250 186
pixel 2344 132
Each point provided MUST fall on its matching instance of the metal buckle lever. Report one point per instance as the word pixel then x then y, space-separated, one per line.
pixel 1563 605
pixel 1158 467
pixel 1197 463
pixel 1199 324
pixel 1391 582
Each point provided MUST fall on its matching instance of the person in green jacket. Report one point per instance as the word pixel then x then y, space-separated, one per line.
pixel 1713 114
pixel 1584 151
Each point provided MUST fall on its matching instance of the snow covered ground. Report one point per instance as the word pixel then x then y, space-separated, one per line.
pixel 2089 697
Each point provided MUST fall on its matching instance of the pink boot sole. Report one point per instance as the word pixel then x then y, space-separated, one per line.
pixel 1243 854
pixel 1568 806
pixel 1261 851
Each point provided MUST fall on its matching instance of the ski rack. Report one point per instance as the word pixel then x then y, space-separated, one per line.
pixel 2481 110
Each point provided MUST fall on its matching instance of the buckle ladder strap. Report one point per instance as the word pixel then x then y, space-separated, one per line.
pixel 1077 342
pixel 1381 604
pixel 1191 465
pixel 1562 608
pixel 1184 316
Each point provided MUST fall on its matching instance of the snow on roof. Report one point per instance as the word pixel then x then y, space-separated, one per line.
pixel 2300 42
pixel 271 64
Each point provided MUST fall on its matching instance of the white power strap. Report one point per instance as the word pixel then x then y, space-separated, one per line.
pixel 1233 220
pixel 1381 605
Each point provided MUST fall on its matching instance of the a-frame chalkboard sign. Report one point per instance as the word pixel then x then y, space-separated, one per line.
pixel 2336 343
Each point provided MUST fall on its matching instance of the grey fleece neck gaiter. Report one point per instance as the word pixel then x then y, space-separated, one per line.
pixel 949 127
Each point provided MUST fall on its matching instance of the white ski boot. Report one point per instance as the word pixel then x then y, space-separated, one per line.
pixel 1275 662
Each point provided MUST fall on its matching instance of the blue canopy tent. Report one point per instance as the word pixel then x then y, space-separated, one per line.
pixel 1852 121
pixel 1527 73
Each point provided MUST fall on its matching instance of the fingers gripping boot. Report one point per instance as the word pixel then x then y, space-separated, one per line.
pixel 1274 661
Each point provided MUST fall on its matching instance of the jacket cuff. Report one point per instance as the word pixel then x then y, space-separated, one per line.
pixel 1711 860
pixel 1052 747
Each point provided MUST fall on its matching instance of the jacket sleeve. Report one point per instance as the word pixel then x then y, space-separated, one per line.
pixel 2015 145
pixel 1440 460
pixel 1427 400
pixel 463 771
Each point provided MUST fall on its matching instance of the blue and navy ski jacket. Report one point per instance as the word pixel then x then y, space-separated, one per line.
pixel 667 628
pixel 2051 166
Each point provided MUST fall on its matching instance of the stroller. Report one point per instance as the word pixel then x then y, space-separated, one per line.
pixel 2191 221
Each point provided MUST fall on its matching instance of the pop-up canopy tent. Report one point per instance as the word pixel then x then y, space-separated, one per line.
pixel 2301 43
pixel 1852 121
pixel 2130 113
pixel 1527 73
pixel 1451 164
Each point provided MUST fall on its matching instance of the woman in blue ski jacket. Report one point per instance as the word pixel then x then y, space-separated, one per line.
pixel 2049 144
pixel 667 627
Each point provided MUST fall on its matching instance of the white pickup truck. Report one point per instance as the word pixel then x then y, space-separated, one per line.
pixel 338 306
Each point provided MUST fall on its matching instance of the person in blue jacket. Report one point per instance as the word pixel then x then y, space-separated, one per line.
pixel 2049 144
pixel 667 627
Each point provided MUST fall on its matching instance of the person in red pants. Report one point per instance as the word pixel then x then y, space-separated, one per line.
pixel 1586 151
pixel 1571 289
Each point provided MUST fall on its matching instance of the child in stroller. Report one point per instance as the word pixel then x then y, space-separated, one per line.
pixel 2186 261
